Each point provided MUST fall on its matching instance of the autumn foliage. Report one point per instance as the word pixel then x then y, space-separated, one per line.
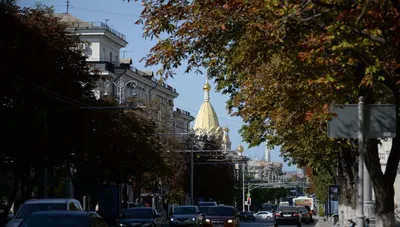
pixel 283 63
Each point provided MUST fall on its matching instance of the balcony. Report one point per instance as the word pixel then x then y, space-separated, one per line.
pixel 95 25
pixel 101 65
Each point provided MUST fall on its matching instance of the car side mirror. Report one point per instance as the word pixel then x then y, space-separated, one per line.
pixel 10 216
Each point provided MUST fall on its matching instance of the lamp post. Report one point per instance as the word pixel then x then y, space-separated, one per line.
pixel 240 150
pixel 121 87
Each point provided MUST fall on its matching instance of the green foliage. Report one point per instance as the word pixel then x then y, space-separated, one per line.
pixel 283 63
pixel 52 119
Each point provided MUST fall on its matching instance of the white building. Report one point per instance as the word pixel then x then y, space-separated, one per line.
pixel 118 78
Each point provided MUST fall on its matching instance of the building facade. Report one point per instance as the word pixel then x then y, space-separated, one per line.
pixel 118 78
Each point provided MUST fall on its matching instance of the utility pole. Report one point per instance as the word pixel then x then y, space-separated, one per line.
pixel 243 189
pixel 361 146
pixel 191 177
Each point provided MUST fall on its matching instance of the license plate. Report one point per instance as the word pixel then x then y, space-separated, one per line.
pixel 287 215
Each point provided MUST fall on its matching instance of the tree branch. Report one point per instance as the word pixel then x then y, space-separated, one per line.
pixel 396 4
pixel 394 156
pixel 362 12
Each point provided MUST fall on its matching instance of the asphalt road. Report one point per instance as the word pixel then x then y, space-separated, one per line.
pixel 267 223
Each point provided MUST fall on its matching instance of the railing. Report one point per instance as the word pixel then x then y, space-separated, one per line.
pixel 141 73
pixel 101 65
pixel 95 25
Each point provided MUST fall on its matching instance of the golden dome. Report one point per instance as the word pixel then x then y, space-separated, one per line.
pixel 240 148
pixel 207 86
pixel 206 118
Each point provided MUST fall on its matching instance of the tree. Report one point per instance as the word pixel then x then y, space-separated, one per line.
pixel 43 71
pixel 211 167
pixel 310 53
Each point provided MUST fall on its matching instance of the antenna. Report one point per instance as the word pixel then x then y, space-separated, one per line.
pixel 67 6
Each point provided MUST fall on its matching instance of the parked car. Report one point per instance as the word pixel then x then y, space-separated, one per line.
pixel 35 205
pixel 247 216
pixel 186 215
pixel 264 215
pixel 63 219
pixel 222 216
pixel 287 215
pixel 143 216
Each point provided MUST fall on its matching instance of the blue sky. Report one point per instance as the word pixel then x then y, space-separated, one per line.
pixel 121 16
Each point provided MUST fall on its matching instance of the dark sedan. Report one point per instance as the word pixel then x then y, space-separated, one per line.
pixel 222 216
pixel 63 219
pixel 140 216
pixel 287 215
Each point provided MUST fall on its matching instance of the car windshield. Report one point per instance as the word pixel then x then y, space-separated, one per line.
pixel 185 210
pixel 206 204
pixel 28 209
pixel 222 211
pixel 287 209
pixel 55 221
pixel 138 213
pixel 204 210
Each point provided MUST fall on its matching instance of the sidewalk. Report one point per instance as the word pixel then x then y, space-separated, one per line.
pixel 322 223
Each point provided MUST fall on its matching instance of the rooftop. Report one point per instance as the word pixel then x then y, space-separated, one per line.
pixel 74 22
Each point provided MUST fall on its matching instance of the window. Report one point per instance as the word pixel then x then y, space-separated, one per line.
pixel 110 56
pixel 72 206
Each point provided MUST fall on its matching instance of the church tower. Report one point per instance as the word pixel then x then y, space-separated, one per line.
pixel 207 119
pixel 207 123
pixel 267 153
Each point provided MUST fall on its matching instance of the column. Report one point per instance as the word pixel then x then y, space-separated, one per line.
pixel 369 205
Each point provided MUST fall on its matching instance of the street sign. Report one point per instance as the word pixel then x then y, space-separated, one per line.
pixel 248 194
pixel 380 121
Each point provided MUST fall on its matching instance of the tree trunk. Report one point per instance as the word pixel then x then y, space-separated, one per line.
pixel 384 206
pixel 11 197
pixel 347 186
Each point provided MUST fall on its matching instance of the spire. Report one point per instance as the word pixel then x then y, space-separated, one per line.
pixel 67 6
pixel 206 89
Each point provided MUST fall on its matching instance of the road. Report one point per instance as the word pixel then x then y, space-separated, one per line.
pixel 267 223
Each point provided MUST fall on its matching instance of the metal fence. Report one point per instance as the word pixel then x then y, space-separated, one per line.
pixel 95 25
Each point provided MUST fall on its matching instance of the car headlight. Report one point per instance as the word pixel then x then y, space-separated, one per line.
pixel 230 221
pixel 193 219
pixel 172 219
pixel 121 225
pixel 208 220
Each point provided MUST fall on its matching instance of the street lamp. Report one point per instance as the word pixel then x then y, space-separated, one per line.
pixel 240 149
pixel 121 87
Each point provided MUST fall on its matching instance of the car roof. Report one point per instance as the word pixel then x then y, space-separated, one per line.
pixel 57 200
pixel 61 213
pixel 186 206
pixel 140 208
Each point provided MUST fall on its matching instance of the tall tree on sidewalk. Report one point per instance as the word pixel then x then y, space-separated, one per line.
pixel 43 72
pixel 284 62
